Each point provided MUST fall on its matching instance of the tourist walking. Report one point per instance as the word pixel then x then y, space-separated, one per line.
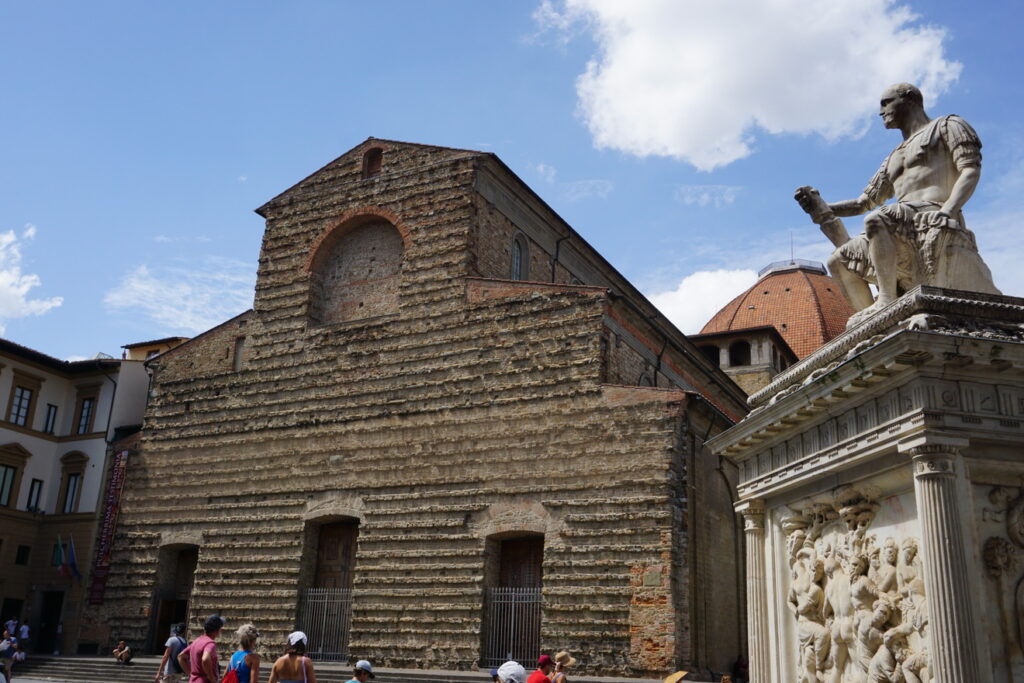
pixel 244 661
pixel 362 672
pixel 545 665
pixel 7 652
pixel 23 633
pixel 200 658
pixel 563 660
pixel 511 672
pixel 293 666
pixel 170 671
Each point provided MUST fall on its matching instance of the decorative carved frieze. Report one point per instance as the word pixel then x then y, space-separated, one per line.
pixel 937 402
pixel 858 602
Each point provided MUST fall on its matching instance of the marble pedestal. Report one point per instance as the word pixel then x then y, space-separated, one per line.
pixel 882 488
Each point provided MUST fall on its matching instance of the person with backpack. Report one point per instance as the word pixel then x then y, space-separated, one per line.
pixel 170 671
pixel 244 666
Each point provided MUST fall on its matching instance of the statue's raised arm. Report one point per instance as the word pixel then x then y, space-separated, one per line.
pixel 921 238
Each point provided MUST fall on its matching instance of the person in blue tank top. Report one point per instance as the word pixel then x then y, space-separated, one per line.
pixel 244 661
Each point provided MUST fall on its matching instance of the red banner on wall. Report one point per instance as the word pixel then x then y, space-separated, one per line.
pixel 108 525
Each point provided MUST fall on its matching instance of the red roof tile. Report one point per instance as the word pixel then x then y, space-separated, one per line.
pixel 804 305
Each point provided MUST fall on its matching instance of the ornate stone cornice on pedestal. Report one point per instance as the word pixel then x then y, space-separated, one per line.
pixel 947 310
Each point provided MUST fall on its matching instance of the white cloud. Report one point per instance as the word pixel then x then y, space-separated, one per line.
pixel 698 80
pixel 242 178
pixel 15 284
pixel 585 189
pixel 700 295
pixel 546 172
pixel 188 300
pixel 707 195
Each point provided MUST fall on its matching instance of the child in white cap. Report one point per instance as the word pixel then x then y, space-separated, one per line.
pixel 362 672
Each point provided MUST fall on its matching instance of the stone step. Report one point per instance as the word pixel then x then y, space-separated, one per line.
pixel 143 669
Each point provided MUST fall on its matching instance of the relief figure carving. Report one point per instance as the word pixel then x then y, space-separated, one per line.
pixel 859 601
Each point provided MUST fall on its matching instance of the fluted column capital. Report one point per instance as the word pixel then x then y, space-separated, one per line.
pixel 934 460
pixel 753 515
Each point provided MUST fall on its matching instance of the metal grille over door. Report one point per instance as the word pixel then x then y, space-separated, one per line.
pixel 513 625
pixel 512 609
pixel 325 610
pixel 325 616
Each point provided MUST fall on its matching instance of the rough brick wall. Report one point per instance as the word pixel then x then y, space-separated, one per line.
pixel 492 248
pixel 476 409
pixel 213 352
pixel 359 274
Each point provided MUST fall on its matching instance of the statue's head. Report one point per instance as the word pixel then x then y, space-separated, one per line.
pixel 897 102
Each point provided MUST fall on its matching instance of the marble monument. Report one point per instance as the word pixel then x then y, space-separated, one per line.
pixel 882 477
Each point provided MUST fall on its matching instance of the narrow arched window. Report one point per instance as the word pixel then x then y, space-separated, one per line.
pixel 373 160
pixel 520 258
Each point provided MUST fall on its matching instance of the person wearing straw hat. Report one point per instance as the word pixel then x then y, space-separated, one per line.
pixel 563 660
pixel 676 677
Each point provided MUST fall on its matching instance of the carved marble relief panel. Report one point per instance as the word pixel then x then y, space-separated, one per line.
pixel 856 599
pixel 1000 522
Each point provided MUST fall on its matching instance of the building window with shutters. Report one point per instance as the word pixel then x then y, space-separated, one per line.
pixel 73 469
pixel 21 404
pixel 35 492
pixel 50 424
pixel 7 476
pixel 85 408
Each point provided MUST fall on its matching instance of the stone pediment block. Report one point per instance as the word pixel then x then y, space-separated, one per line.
pixel 334 505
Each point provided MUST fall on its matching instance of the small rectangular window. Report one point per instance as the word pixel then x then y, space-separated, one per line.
pixel 239 350
pixel 71 492
pixel 85 415
pixel 6 484
pixel 21 555
pixel 35 491
pixel 60 550
pixel 20 404
pixel 51 418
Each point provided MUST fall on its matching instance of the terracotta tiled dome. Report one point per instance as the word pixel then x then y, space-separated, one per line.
pixel 797 297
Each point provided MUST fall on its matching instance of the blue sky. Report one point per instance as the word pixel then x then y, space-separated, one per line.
pixel 137 138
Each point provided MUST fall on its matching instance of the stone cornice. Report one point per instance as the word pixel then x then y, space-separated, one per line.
pixel 921 301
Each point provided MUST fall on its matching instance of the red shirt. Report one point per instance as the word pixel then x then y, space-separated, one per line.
pixel 538 676
pixel 203 643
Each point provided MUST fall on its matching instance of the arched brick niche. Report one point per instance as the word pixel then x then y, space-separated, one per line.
pixel 355 268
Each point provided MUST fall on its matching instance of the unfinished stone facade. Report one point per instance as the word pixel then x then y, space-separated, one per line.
pixel 394 377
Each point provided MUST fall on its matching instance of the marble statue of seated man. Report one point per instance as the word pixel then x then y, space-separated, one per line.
pixel 920 238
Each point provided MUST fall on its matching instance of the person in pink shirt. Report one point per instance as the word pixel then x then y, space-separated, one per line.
pixel 200 658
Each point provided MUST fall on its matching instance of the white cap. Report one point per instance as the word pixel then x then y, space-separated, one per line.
pixel 365 666
pixel 511 672
pixel 296 637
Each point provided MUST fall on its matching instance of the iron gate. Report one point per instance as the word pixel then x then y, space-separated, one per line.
pixel 512 625
pixel 325 616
